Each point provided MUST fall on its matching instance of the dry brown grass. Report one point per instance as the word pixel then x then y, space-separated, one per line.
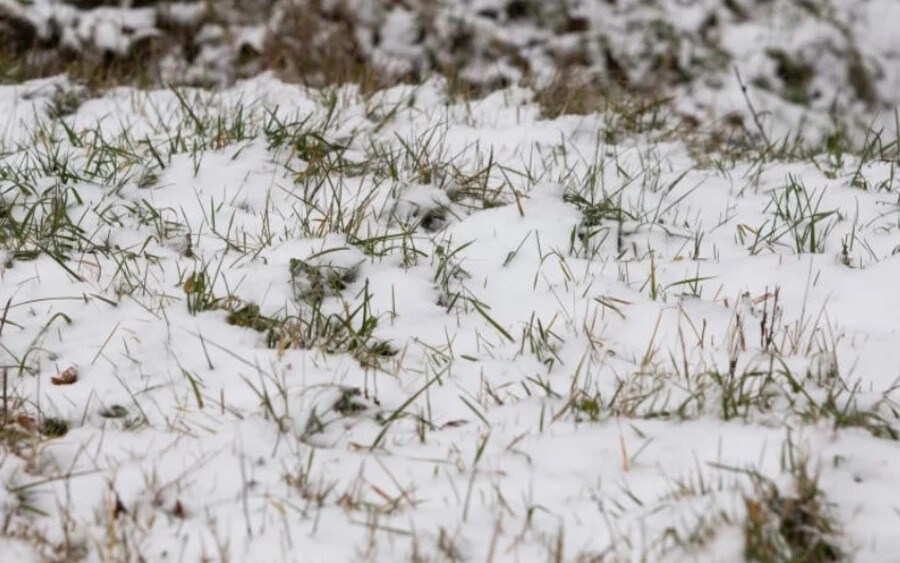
pixel 316 48
pixel 97 71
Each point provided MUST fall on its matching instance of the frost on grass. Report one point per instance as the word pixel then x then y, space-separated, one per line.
pixel 329 324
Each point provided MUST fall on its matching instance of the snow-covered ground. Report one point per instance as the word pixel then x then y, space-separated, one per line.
pixel 816 68
pixel 273 323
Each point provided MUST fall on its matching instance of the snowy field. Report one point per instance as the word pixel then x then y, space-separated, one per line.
pixel 278 324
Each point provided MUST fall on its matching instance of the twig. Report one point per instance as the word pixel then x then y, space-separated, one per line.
pixel 5 313
pixel 753 111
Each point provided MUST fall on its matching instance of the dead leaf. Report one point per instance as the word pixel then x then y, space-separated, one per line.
pixel 68 377
pixel 27 422
pixel 454 423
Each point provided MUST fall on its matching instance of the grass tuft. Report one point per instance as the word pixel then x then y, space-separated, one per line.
pixel 795 527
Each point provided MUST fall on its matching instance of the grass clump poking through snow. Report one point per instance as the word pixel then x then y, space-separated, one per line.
pixel 313 283
pixel 797 220
pixel 351 331
pixel 795 527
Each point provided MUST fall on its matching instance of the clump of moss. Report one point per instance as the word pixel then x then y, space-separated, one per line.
pixel 53 427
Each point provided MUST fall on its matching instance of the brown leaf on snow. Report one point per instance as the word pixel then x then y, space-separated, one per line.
pixel 67 377
pixel 454 423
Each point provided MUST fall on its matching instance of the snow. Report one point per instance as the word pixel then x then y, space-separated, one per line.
pixel 549 395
